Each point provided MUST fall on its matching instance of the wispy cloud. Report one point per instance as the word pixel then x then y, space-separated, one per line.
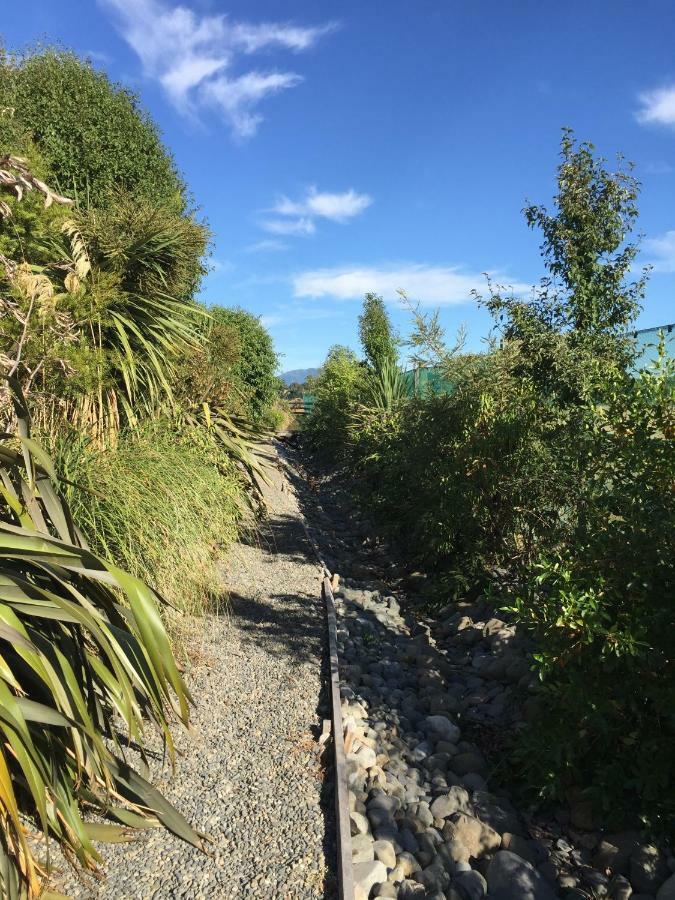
pixel 266 246
pixel 430 285
pixel 657 107
pixel 298 216
pixel 302 225
pixel 660 252
pixel 192 56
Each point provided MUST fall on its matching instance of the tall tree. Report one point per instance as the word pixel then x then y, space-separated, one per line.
pixel 587 301
pixel 378 339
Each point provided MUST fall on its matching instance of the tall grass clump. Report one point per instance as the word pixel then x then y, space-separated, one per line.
pixel 163 504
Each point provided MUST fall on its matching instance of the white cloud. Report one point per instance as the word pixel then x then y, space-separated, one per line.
pixel 270 244
pixel 661 252
pixel 289 226
pixel 297 216
pixel 657 107
pixel 435 285
pixel 192 57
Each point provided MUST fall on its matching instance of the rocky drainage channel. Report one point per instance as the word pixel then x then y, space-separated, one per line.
pixel 425 821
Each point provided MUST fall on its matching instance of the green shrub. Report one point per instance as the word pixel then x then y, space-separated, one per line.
pixel 337 391
pixel 165 504
pixel 249 362
pixel 601 608
pixel 92 135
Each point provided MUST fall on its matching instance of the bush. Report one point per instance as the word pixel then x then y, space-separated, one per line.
pixel 601 608
pixel 163 503
pixel 337 391
pixel 243 352
pixel 92 135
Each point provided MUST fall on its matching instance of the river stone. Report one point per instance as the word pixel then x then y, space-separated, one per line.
pixel 648 869
pixel 386 890
pixel 367 874
pixel 667 890
pixel 470 885
pixel 464 763
pixel 511 878
pixel 365 756
pixel 456 800
pixel 359 823
pixel 497 812
pixel 519 845
pixel 362 848
pixel 442 727
pixel 411 890
pixel 476 836
pixel 384 851
pixel 408 863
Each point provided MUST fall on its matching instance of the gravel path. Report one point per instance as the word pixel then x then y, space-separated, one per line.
pixel 252 778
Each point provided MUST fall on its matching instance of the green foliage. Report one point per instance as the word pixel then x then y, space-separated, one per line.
pixel 244 354
pixel 377 336
pixel 92 135
pixel 574 329
pixel 601 606
pixel 549 461
pixel 337 390
pixel 83 642
pixel 164 503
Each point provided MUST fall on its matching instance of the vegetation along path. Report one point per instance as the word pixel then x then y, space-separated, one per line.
pixel 252 780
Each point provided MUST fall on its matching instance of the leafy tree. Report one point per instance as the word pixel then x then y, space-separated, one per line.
pixel 92 135
pixel 377 335
pixel 252 366
pixel 337 390
pixel 576 323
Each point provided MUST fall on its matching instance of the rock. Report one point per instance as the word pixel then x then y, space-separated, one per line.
pixel 519 845
pixel 411 890
pixel 384 851
pixel 367 874
pixel 493 626
pixel 469 832
pixel 470 885
pixel 474 782
pixel 620 889
pixel 365 756
pixel 407 863
pixel 648 869
pixel 464 763
pixel 496 812
pixel 456 800
pixel 386 890
pixel 362 848
pixel 359 823
pixel 443 727
pixel 667 890
pixel 511 878
pixel 434 878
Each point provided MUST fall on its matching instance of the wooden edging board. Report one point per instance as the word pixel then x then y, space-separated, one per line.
pixel 344 838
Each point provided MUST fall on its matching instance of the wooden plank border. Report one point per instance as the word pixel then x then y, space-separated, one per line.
pixel 344 837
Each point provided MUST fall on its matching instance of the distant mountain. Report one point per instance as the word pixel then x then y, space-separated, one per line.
pixel 297 376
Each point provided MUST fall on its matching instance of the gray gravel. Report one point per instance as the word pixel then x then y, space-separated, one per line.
pixel 251 778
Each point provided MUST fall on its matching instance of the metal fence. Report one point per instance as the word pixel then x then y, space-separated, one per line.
pixel 421 382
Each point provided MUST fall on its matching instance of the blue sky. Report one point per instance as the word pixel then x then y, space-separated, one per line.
pixel 336 148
